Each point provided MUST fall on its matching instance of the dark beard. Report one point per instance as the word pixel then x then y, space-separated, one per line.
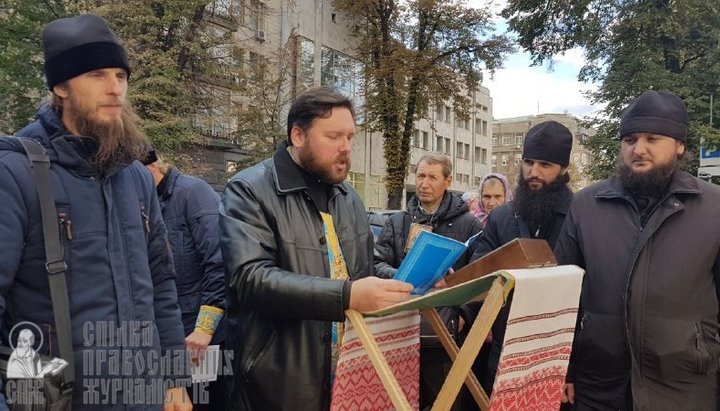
pixel 308 162
pixel 537 207
pixel 119 142
pixel 652 183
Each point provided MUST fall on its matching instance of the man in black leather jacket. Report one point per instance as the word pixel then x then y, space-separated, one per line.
pixel 282 222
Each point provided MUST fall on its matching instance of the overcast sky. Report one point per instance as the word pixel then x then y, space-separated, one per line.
pixel 519 89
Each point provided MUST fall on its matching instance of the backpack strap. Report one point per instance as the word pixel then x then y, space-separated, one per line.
pixel 54 255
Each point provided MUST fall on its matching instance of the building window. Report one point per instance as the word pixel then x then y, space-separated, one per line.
pixel 439 113
pixel 216 121
pixel 416 139
pixel 458 178
pixel 459 150
pixel 484 156
pixel 255 13
pixel 344 74
pixel 484 128
pixel 439 143
pixel 447 146
pixel 478 151
pixel 519 138
pixel 228 9
pixel 305 62
pixel 426 140
pixel 506 139
pixel 467 151
pixel 333 17
pixel 495 141
pixel 413 168
pixel 447 114
pixel 494 159
pixel 357 180
pixel 478 126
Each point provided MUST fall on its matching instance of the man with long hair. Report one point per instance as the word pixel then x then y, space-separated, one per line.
pixel 649 241
pixel 120 276
pixel 537 210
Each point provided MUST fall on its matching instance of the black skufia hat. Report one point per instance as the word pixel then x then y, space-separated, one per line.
pixel 76 45
pixel 549 141
pixel 657 112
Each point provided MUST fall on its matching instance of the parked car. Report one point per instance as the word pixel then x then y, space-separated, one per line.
pixel 377 219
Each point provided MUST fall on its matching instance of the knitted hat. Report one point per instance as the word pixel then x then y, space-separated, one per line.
pixel 549 141
pixel 76 45
pixel 657 112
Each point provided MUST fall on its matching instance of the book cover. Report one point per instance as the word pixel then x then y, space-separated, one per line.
pixel 429 259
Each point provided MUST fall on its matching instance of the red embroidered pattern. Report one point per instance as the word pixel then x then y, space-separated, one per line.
pixel 357 385
pixel 536 391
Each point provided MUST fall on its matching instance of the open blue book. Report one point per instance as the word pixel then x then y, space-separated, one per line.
pixel 429 259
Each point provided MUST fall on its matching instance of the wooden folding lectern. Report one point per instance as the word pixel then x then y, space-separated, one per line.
pixel 481 280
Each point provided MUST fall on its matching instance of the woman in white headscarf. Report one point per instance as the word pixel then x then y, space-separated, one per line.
pixel 494 191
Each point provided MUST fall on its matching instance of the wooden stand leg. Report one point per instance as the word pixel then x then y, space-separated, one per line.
pixel 470 349
pixel 378 360
pixel 452 349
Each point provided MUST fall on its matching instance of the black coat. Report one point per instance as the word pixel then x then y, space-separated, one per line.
pixel 649 300
pixel 451 219
pixel 190 210
pixel 281 300
pixel 504 225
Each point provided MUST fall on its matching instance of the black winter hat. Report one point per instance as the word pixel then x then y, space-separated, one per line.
pixel 658 112
pixel 76 45
pixel 549 141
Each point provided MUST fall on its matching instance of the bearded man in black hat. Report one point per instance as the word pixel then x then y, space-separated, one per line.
pixel 649 241
pixel 538 210
pixel 125 327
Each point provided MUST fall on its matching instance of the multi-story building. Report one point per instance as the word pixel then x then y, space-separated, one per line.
pixel 322 49
pixel 508 135
pixel 466 141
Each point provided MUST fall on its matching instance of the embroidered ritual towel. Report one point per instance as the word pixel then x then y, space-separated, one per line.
pixel 538 339
pixel 357 385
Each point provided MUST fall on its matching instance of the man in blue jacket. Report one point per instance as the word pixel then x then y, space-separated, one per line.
pixel 190 210
pixel 125 322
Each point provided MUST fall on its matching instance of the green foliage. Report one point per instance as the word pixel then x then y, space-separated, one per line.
pixel 417 54
pixel 261 123
pixel 169 55
pixel 169 45
pixel 631 47
pixel 22 84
